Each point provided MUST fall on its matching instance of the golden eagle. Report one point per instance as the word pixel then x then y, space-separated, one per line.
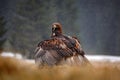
pixel 59 49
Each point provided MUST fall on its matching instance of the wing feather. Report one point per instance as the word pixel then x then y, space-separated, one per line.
pixel 52 51
pixel 78 47
pixel 74 44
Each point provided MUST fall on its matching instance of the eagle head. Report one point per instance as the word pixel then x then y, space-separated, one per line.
pixel 56 29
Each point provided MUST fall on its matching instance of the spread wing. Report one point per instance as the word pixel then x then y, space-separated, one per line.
pixel 74 44
pixel 78 58
pixel 78 47
pixel 52 51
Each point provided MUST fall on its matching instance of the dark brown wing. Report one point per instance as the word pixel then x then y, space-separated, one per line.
pixel 78 46
pixel 79 56
pixel 52 51
pixel 74 44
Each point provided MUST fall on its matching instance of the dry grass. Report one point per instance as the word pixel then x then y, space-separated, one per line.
pixel 13 69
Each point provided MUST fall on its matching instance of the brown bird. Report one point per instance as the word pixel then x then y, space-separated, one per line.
pixel 60 49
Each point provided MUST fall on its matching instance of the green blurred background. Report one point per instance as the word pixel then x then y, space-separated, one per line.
pixel 24 23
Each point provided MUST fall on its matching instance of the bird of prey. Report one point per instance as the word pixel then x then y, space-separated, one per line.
pixel 60 49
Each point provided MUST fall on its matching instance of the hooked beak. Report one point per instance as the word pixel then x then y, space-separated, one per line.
pixel 54 27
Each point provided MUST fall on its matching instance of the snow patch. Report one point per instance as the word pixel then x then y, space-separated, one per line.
pixel 10 54
pixel 95 58
pixel 103 58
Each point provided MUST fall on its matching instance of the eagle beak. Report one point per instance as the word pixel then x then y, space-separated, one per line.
pixel 54 27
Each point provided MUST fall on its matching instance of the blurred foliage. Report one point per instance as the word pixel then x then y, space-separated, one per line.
pixel 13 69
pixel 2 32
pixel 95 23
pixel 32 22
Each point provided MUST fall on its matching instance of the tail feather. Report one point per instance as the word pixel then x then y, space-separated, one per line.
pixel 81 60
pixel 76 60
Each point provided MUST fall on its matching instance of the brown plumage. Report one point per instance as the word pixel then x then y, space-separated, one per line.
pixel 59 49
